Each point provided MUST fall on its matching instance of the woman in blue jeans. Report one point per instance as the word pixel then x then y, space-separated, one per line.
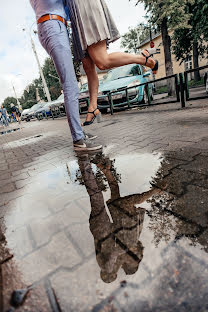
pixel 3 116
pixel 93 28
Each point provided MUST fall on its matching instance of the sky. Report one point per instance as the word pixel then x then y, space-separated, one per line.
pixel 18 66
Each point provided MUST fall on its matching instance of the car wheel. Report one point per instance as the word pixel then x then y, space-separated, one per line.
pixel 145 97
pixel 103 110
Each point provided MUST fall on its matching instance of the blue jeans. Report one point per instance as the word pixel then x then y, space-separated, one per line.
pixel 4 120
pixel 54 38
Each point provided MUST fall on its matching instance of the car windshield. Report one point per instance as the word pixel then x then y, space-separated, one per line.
pixel 121 72
pixel 25 111
pixel 37 106
pixel 84 87
pixel 46 104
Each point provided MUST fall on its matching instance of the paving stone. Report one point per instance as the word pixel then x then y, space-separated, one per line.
pixel 186 154
pixel 59 252
pixel 22 183
pixel 44 229
pixel 25 210
pixel 7 188
pixel 19 241
pixel 193 205
pixel 74 295
pixel 84 203
pixel 177 180
pixel 5 198
pixel 21 176
pixel 199 165
pixel 36 170
pixel 82 236
pixel 5 175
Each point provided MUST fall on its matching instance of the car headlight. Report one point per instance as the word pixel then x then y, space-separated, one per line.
pixel 134 83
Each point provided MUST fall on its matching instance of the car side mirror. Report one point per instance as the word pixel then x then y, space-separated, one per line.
pixel 147 74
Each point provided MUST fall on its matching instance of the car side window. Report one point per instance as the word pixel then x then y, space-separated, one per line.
pixel 135 70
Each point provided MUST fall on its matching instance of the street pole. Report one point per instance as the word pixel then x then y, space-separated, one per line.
pixel 40 70
pixel 18 103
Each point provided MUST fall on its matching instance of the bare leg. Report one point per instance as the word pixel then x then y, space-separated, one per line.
pixel 103 60
pixel 93 85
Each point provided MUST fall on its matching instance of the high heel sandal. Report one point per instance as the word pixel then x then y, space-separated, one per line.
pixel 155 68
pixel 98 116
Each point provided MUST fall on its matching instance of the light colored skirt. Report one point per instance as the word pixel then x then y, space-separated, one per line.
pixel 91 22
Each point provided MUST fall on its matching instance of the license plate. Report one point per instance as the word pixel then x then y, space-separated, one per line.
pixel 117 96
pixel 83 104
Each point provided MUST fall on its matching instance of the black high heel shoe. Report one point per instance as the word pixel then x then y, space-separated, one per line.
pixel 98 116
pixel 155 68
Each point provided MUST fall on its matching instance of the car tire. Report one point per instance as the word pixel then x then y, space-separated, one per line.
pixel 103 110
pixel 145 97
pixel 152 95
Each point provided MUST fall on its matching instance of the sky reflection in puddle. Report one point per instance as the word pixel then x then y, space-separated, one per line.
pixel 98 221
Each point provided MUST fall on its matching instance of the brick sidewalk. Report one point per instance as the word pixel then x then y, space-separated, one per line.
pixel 32 158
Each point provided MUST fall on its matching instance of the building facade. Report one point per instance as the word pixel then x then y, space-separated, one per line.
pixel 177 67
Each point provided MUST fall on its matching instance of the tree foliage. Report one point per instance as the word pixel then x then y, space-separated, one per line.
pixel 130 40
pixel 172 10
pixel 197 32
pixel 53 83
pixel 8 101
pixel 28 98
pixel 165 15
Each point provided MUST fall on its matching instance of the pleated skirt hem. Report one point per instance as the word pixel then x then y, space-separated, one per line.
pixel 91 22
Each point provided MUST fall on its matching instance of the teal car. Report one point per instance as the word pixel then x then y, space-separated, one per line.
pixel 123 77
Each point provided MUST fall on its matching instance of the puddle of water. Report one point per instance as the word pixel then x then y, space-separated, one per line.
pixel 7 131
pixel 97 229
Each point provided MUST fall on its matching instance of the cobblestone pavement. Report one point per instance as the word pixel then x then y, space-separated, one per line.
pixel 126 230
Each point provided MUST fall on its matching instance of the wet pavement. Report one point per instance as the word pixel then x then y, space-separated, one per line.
pixel 7 130
pixel 125 230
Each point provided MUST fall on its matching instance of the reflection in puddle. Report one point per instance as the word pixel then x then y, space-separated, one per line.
pixel 96 222
pixel 117 243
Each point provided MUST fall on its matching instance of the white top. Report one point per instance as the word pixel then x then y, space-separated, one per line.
pixel 43 7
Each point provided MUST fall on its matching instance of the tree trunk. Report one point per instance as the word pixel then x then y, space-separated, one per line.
pixel 167 51
pixel 196 60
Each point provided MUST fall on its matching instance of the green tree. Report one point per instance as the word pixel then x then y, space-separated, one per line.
pixel 193 40
pixel 28 99
pixel 8 101
pixel 131 39
pixel 165 15
pixel 29 96
pixel 52 78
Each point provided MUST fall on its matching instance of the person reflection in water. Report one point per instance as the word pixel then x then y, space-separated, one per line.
pixel 117 244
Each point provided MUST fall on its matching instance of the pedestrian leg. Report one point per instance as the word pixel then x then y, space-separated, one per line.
pixel 54 37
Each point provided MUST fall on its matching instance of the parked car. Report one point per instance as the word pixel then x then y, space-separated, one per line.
pixel 44 111
pixel 119 78
pixel 33 109
pixel 83 98
pixel 25 114
pixel 57 107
